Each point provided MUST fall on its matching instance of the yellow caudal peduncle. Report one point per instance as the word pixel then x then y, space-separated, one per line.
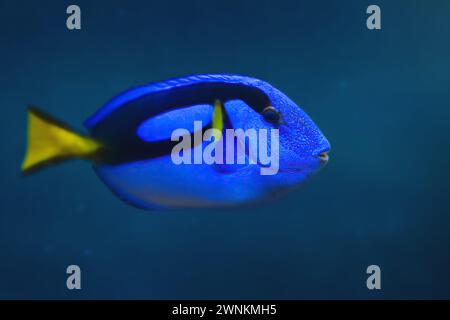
pixel 50 141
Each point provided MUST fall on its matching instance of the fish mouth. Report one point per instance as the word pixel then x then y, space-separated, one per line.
pixel 323 157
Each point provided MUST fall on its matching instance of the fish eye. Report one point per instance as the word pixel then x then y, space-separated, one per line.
pixel 271 115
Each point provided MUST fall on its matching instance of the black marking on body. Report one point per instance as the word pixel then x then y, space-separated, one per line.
pixel 117 131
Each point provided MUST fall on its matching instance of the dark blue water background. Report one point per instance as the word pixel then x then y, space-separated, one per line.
pixel 381 97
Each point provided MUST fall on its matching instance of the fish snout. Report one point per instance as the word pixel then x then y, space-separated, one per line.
pixel 323 157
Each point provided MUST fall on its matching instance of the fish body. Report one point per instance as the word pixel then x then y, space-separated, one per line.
pixel 131 143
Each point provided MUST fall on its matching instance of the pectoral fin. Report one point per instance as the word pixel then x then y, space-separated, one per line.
pixel 217 122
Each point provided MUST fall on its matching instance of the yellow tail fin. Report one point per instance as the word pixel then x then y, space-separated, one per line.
pixel 50 141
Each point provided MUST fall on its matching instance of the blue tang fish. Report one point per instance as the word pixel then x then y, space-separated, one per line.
pixel 131 143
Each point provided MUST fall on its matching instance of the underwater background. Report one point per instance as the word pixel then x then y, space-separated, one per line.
pixel 382 98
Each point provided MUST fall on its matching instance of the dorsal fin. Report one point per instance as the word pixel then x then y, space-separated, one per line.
pixel 171 84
